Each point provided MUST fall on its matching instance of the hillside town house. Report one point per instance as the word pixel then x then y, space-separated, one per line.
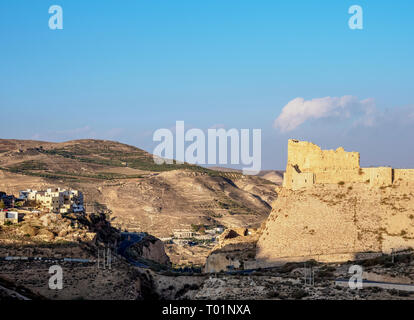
pixel 55 200
pixel 9 216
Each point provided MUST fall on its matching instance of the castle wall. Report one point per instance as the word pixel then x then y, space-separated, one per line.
pixel 381 176
pixel 303 180
pixel 333 166
pixel 404 174
pixel 307 163
pixel 332 224
pixel 336 176
pixel 310 228
pixel 309 157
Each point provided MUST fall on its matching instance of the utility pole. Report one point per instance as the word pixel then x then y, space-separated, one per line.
pixel 108 258
pixel 304 273
pixel 309 276
pixel 313 277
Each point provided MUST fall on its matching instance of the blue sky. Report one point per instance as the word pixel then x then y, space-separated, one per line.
pixel 120 70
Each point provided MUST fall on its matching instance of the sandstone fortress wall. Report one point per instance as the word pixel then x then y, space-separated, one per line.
pixel 308 164
pixel 404 174
pixel 316 217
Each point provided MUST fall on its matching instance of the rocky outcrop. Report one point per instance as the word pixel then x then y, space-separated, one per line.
pixel 235 250
pixel 51 227
pixel 149 248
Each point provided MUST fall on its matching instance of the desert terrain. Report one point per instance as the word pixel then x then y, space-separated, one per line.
pixel 277 242
pixel 123 181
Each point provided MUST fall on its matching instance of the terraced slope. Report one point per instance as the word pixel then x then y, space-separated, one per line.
pixel 141 196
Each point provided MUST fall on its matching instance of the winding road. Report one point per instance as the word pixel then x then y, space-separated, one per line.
pixel 129 239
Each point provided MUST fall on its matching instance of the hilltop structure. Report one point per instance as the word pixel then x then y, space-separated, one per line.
pixel 308 164
pixel 55 199
pixel 331 210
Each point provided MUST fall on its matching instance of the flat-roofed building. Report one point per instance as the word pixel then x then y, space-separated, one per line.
pixel 183 234
pixel 56 199
pixel 11 216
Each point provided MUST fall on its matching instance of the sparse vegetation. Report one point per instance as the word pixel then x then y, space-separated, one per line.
pixel 28 165
pixel 197 227
pixel 134 158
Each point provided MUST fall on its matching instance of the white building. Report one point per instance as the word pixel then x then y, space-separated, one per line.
pixel 56 199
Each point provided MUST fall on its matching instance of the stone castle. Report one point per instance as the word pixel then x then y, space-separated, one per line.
pixel 330 209
pixel 308 164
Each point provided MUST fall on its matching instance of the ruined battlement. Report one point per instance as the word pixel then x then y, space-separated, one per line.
pixel 310 157
pixel 308 164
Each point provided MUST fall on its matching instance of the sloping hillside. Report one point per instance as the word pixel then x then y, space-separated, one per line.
pixel 81 160
pixel 274 176
pixel 140 195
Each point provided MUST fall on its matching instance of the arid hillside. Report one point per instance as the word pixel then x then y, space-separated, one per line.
pixel 139 195
pixel 73 242
pixel 275 176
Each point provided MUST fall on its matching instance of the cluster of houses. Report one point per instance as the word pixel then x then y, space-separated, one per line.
pixel 187 236
pixel 55 200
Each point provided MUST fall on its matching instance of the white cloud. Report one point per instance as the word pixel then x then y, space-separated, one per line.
pixel 299 110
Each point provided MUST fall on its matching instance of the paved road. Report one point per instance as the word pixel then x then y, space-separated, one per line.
pixel 46 259
pixel 13 293
pixel 129 239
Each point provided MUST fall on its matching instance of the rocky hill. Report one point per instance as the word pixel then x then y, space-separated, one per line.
pixel 275 176
pixel 73 242
pixel 124 182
